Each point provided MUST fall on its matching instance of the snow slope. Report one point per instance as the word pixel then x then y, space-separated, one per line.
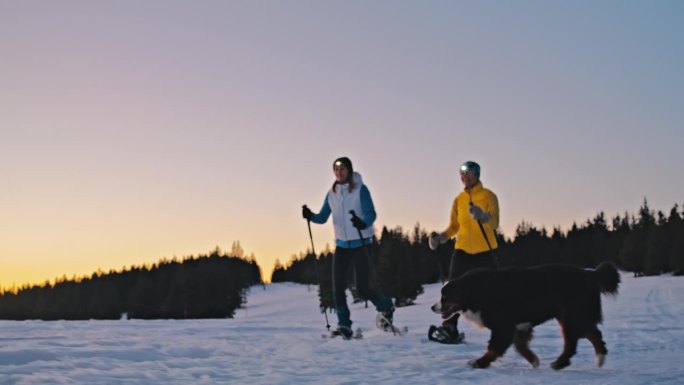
pixel 276 339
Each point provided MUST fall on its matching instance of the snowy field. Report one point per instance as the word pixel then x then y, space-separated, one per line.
pixel 276 339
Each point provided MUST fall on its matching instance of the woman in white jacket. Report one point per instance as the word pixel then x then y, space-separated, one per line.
pixel 348 193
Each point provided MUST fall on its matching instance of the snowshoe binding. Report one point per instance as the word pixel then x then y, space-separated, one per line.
pixel 345 332
pixel 445 335
pixel 384 321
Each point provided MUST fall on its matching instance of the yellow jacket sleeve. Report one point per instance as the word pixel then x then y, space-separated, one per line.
pixel 452 230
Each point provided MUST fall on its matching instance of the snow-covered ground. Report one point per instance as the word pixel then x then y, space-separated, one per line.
pixel 276 339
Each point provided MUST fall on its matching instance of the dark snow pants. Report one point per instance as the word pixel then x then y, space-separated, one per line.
pixel 461 263
pixel 358 258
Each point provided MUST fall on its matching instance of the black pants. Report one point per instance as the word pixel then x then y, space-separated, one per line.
pixel 356 257
pixel 461 263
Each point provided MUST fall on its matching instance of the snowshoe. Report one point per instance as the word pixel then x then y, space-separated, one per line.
pixel 345 332
pixel 384 322
pixel 384 319
pixel 397 331
pixel 445 335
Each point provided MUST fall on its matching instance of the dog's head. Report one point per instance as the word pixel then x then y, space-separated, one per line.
pixel 451 301
pixel 462 294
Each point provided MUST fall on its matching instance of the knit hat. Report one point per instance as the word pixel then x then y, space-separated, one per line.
pixel 344 161
pixel 472 167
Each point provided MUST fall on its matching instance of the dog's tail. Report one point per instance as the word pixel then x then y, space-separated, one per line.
pixel 608 278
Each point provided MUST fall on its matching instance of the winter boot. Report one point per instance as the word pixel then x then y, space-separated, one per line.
pixel 345 331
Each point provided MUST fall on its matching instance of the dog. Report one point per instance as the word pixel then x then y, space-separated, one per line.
pixel 512 301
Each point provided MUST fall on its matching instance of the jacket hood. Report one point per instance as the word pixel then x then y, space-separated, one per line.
pixel 356 177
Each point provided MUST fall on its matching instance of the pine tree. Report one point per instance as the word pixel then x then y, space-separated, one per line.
pixel 675 234
pixel 325 289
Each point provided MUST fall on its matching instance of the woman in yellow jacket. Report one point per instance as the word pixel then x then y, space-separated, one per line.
pixel 474 218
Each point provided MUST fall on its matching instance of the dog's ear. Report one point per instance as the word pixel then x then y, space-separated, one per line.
pixel 446 288
pixel 452 290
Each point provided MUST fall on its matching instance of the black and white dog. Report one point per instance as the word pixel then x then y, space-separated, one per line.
pixel 512 301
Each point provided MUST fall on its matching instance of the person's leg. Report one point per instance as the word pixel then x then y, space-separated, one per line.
pixel 460 264
pixel 485 260
pixel 362 274
pixel 448 332
pixel 340 265
pixel 383 304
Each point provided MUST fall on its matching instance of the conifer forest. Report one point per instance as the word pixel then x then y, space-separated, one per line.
pixel 214 285
pixel 648 243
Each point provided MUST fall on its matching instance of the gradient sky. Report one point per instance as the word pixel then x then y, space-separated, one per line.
pixel 131 131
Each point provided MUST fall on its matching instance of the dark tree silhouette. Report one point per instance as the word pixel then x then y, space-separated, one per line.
pixel 208 286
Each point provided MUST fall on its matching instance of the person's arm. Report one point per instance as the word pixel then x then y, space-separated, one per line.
pixel 493 211
pixel 367 206
pixel 322 215
pixel 453 227
pixel 437 239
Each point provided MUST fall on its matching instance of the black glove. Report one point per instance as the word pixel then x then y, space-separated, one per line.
pixel 358 223
pixel 306 213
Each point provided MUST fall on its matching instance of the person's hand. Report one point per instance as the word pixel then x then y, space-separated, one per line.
pixel 436 239
pixel 358 223
pixel 478 214
pixel 306 213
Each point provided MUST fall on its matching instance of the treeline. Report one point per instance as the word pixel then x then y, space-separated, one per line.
pixel 400 265
pixel 648 243
pixel 207 286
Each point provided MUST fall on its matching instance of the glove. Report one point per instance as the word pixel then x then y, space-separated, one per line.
pixel 358 223
pixel 436 239
pixel 306 213
pixel 478 214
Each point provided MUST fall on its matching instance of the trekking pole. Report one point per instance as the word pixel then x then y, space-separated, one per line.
pixel 484 234
pixel 318 278
pixel 368 256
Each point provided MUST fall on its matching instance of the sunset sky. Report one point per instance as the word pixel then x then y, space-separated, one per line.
pixel 132 131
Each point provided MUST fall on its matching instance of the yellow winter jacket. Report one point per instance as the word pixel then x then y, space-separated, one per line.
pixel 470 238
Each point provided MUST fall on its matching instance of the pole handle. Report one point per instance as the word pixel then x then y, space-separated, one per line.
pixel 353 214
pixel 484 234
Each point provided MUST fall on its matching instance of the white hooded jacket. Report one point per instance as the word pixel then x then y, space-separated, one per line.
pixel 341 202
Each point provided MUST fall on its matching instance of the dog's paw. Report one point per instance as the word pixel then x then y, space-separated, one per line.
pixel 478 364
pixel 560 364
pixel 600 360
pixel 535 362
